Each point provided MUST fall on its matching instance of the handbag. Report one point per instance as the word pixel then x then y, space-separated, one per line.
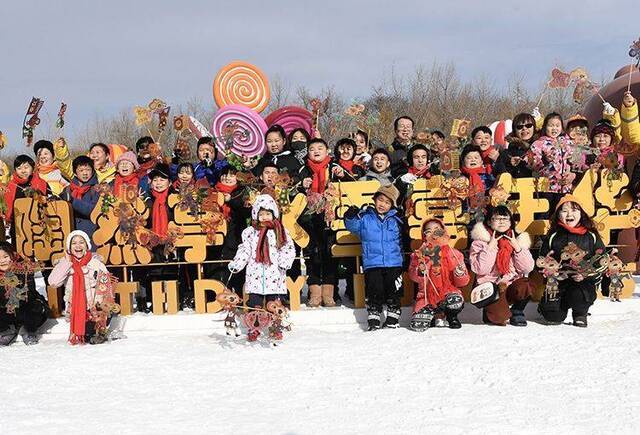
pixel 485 294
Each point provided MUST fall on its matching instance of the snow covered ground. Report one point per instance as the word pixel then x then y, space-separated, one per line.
pixel 181 374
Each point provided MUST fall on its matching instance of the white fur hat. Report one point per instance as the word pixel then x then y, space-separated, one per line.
pixel 82 234
pixel 264 202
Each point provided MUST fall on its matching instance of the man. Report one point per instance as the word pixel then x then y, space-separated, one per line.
pixel 403 127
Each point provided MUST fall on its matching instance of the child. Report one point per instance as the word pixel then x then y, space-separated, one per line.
pixel 29 309
pixel 500 256
pixel 345 153
pixel 482 137
pixel 266 251
pixel 82 195
pixel 551 156
pixel 47 168
pixel 603 138
pixel 101 156
pixel 362 148
pixel 185 176
pixel 379 168
pixel 23 179
pixel 315 176
pixel 513 159
pixel 440 272
pixel 276 140
pixel 380 231
pixel 127 167
pixel 149 154
pixel 473 167
pixel 570 224
pixel 82 273
pixel 297 141
pixel 209 166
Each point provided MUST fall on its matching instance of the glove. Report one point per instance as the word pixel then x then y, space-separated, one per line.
pixel 409 178
pixel 232 268
pixel 536 113
pixel 608 109
pixel 351 212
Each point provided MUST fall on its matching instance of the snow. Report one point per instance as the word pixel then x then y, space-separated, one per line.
pixel 181 374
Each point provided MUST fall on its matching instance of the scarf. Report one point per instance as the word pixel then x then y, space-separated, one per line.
pixel 223 188
pixel 120 181
pixel 476 185
pixel 78 300
pixel 78 191
pixel 262 250
pixel 177 185
pixel 347 165
pixel 424 172
pixel 46 169
pixel 486 159
pixel 146 167
pixel 579 229
pixel 34 181
pixel 505 250
pixel 159 214
pixel 319 169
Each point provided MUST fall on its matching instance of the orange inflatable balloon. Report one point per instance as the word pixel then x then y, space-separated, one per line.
pixel 241 83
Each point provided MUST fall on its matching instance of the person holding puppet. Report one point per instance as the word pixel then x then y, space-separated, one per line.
pixel 440 273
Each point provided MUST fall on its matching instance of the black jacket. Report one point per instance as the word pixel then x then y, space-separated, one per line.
pixel 516 148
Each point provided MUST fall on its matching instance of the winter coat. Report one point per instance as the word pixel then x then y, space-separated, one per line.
pixel 261 278
pixel 55 181
pixel 626 123
pixel 483 259
pixel 31 312
pixel 236 224
pixel 62 275
pixel 83 207
pixel 381 237
pixel 383 178
pixel 209 171
pixel 516 148
pixel 284 160
pixel 589 242
pixel 552 159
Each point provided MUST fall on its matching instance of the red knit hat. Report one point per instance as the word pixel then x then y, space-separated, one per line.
pixel 604 126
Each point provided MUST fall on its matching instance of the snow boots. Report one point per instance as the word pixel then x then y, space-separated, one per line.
pixel 517 313
pixel 393 316
pixel 327 296
pixel 8 336
pixel 421 320
pixel 452 305
pixel 580 321
pixel 373 320
pixel 315 296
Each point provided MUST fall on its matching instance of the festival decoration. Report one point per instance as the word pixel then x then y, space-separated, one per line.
pixel 290 118
pixel 460 128
pixel 244 128
pixel 197 129
pixel 318 107
pixel 31 119
pixel 279 320
pixel 240 83
pixel 230 301
pixel 61 112
pixel 3 140
pixel 559 79
pixel 256 321
pixel 500 130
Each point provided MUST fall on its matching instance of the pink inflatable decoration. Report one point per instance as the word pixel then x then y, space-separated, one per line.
pixel 501 129
pixel 239 128
pixel 290 118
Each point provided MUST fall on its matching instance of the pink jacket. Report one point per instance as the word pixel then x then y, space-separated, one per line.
pixel 483 258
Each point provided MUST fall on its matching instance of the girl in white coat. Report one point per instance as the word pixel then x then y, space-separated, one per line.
pixel 267 251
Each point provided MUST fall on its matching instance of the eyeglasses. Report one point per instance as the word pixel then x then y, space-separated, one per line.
pixel 521 126
pixel 500 219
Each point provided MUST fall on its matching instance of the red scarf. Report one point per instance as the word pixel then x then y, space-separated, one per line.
pixel 486 159
pixel 224 188
pixel 505 250
pixel 178 184
pixel 579 229
pixel 35 182
pixel 159 214
pixel 476 185
pixel 347 164
pixel 129 180
pixel 78 191
pixel 424 172
pixel 319 170
pixel 78 300
pixel 262 250
pixel 146 167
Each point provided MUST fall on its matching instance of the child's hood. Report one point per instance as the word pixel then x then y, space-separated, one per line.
pixel 264 202
pixel 480 232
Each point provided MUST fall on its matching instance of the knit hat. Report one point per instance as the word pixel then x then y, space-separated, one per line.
pixel 604 126
pixel 265 202
pixel 568 198
pixel 389 191
pixel 577 121
pixel 82 234
pixel 129 156
pixel 42 144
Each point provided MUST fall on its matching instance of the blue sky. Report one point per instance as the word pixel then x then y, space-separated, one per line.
pixel 100 57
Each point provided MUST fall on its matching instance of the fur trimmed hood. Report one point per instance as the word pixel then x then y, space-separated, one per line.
pixel 481 233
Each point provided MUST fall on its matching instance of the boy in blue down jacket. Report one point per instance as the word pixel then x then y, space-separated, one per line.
pixel 82 194
pixel 380 230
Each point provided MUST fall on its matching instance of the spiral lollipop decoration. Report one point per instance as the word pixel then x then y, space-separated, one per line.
pixel 290 118
pixel 241 83
pixel 239 130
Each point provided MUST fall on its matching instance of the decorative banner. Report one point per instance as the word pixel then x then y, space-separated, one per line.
pixel 3 140
pixel 61 112
pixel 460 128
pixel 634 50
pixel 41 227
pixel 239 130
pixel 31 119
pixel 196 128
pixel 241 83
pixel 559 79
pixel 290 118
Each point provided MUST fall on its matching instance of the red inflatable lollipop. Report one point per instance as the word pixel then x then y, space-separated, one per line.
pixel 290 118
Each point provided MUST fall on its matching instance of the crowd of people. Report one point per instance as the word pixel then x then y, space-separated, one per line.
pixel 260 252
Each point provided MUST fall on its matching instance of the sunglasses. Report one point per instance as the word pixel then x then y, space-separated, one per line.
pixel 521 126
